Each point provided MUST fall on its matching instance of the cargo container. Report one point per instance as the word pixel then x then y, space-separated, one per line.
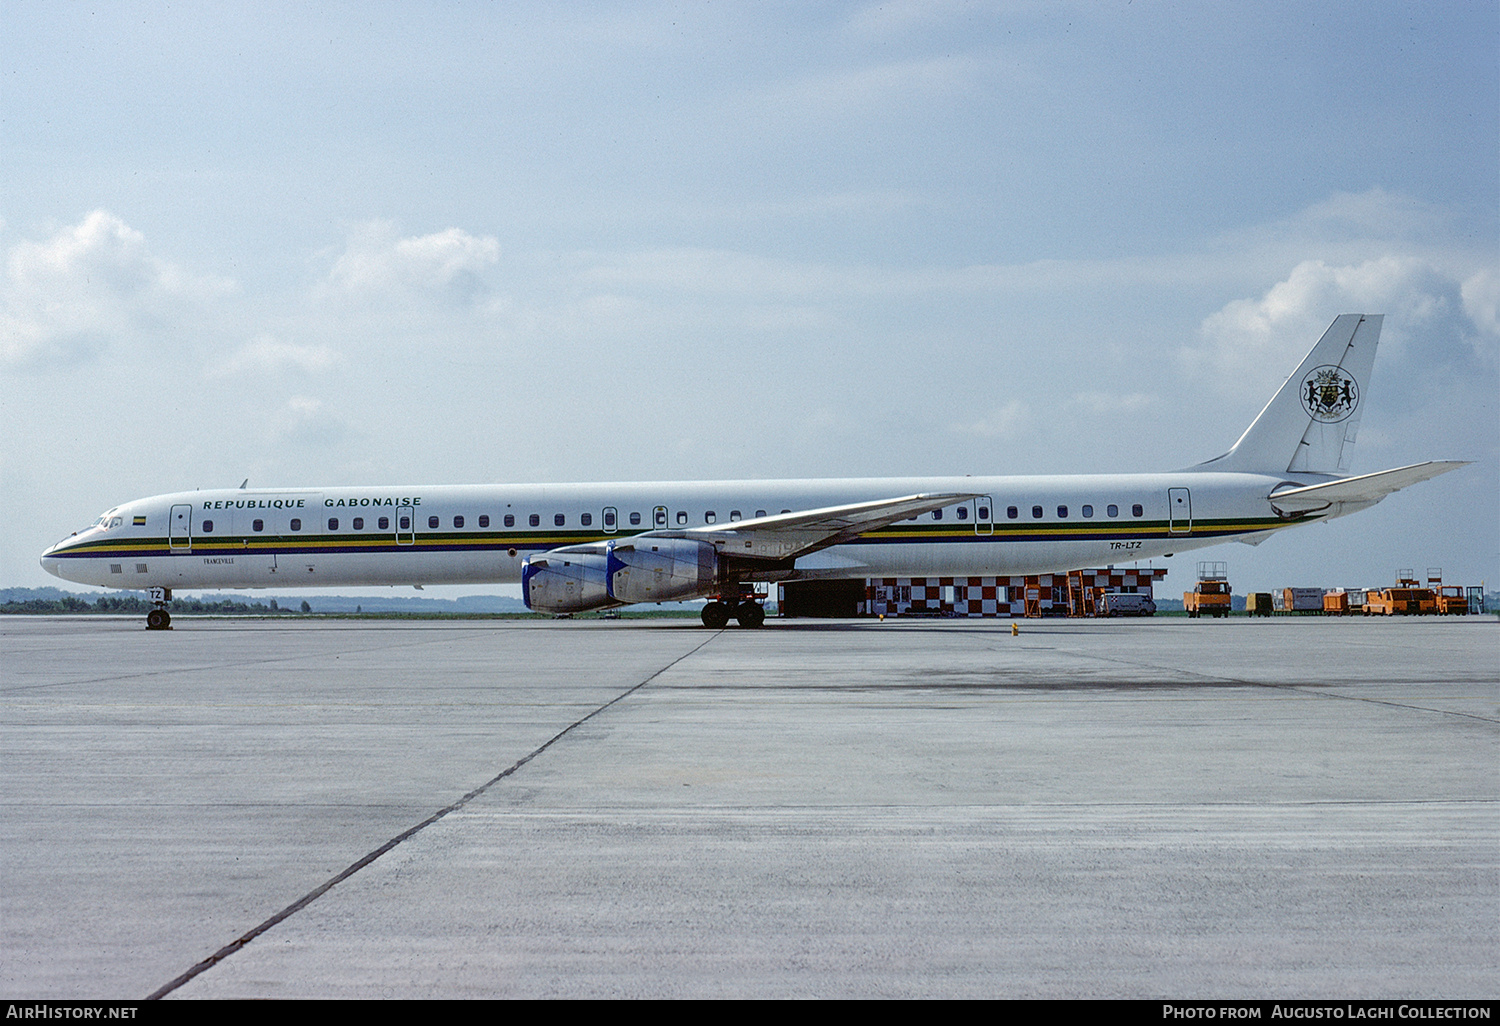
pixel 1302 600
pixel 1258 603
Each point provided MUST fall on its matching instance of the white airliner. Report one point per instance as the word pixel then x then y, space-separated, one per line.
pixel 578 547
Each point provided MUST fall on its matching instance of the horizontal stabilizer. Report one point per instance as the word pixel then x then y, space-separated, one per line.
pixel 1366 488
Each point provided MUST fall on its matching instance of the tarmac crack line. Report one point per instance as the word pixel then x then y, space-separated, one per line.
pixel 317 892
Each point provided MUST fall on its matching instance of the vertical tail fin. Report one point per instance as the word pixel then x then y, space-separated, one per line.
pixel 1310 423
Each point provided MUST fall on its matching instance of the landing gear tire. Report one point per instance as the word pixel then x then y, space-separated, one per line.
pixel 158 620
pixel 750 614
pixel 715 616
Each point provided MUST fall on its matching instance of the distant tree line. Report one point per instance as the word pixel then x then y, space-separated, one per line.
pixel 136 604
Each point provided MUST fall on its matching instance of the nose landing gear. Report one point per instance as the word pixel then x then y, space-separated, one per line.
pixel 159 619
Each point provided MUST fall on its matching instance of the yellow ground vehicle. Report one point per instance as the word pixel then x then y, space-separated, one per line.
pixel 1407 598
pixel 1451 600
pixel 1211 595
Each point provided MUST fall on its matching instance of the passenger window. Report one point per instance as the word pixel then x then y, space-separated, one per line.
pixel 535 520
pixel 635 520
pixel 333 523
pixel 384 523
pixel 609 519
pixel 458 521
pixel 984 512
pixel 359 523
pixel 661 517
pixel 1011 512
pixel 406 523
pixel 937 514
pixel 710 517
pixel 681 517
pixel 1137 511
pixel 510 520
pixel 1112 510
pixel 484 520
pixel 558 520
pixel 1062 512
pixel 586 519
pixel 208 527
pixel 296 524
pixel 1036 512
pixel 1088 511
pixel 963 512
pixel 259 525
pixel 760 513
pixel 432 523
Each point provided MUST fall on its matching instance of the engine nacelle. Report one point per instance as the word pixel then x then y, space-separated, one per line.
pixel 566 581
pixel 650 569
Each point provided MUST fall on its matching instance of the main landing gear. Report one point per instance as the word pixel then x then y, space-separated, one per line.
pixel 744 608
pixel 159 619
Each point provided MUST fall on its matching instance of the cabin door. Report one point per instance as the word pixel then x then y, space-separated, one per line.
pixel 1179 511
pixel 181 532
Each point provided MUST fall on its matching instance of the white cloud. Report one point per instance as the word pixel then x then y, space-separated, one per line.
pixel 303 420
pixel 1102 404
pixel 376 262
pixel 267 355
pixel 876 88
pixel 89 285
pixel 1007 422
pixel 1374 214
pixel 1250 343
pixel 1481 294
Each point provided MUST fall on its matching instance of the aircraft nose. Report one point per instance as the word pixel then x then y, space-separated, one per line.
pixel 53 563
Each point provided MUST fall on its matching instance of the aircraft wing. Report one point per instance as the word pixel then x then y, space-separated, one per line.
pixel 1366 488
pixel 788 535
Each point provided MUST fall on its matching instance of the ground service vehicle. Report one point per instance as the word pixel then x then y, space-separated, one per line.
pixel 1407 598
pixel 1211 595
pixel 1451 600
pixel 1124 603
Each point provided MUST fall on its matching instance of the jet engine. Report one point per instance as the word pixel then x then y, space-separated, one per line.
pixel 647 569
pixel 618 572
pixel 566 581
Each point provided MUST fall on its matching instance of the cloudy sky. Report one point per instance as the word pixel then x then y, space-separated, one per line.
pixel 328 244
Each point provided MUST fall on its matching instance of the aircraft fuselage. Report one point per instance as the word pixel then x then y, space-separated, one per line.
pixel 481 534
